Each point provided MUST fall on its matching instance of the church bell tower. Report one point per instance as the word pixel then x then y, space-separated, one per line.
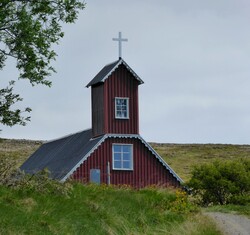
pixel 114 98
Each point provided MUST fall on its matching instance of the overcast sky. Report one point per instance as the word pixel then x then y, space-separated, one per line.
pixel 194 57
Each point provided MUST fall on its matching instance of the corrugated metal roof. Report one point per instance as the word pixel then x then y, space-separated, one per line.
pixel 108 70
pixel 62 156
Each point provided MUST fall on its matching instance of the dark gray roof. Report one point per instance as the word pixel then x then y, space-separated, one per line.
pixel 108 70
pixel 61 155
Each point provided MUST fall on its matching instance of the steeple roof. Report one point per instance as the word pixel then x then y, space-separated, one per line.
pixel 108 70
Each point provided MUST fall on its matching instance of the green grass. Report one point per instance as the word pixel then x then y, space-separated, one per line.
pixel 97 210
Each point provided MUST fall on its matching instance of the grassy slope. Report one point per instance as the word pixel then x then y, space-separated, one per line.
pixel 97 210
pixel 107 211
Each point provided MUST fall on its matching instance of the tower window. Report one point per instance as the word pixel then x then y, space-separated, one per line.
pixel 122 156
pixel 122 108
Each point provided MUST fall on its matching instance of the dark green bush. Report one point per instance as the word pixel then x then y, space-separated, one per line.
pixel 221 182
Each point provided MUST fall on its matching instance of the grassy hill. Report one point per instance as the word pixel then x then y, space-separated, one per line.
pixel 99 210
pixel 182 157
pixel 107 210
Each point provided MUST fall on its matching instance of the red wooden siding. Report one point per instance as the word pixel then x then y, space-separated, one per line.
pixel 147 169
pixel 121 83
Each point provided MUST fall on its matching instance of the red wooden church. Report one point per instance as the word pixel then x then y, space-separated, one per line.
pixel 112 151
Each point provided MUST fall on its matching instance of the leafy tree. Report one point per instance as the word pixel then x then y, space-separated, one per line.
pixel 28 29
pixel 221 182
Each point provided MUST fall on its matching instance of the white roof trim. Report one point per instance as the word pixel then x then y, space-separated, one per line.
pixel 121 61
pixel 162 161
pixel 123 136
pixel 152 150
pixel 83 159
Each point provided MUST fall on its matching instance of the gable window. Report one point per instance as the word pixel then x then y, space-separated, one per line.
pixel 121 108
pixel 122 156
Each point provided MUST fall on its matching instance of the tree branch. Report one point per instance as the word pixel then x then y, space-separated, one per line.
pixel 8 54
pixel 5 28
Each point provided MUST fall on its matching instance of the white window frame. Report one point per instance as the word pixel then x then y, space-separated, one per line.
pixel 131 158
pixel 127 107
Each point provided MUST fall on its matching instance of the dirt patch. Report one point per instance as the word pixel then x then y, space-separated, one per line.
pixel 231 224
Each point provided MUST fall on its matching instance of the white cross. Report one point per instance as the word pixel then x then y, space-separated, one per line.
pixel 120 40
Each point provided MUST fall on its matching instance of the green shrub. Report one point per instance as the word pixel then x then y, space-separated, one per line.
pixel 221 182
pixel 14 178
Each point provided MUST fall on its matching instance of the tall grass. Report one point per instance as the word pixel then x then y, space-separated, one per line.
pixel 98 210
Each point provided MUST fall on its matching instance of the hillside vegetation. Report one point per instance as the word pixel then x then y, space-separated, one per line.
pixel 183 157
pixel 18 150
pixel 100 210
pixel 40 208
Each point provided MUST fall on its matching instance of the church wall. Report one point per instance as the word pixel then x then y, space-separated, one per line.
pixel 147 169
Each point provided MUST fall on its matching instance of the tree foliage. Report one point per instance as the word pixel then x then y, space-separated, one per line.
pixel 28 29
pixel 8 116
pixel 222 182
